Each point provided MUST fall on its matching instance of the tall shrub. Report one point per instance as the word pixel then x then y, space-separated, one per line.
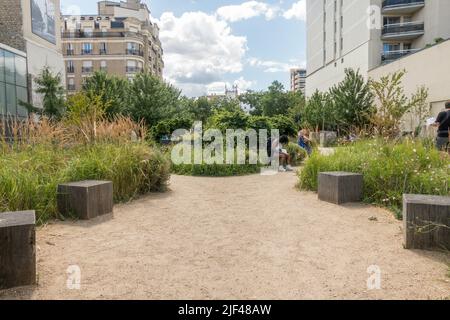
pixel 393 104
pixel 353 102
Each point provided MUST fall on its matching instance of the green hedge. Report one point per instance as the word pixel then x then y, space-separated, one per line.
pixel 29 177
pixel 390 170
pixel 297 153
pixel 215 170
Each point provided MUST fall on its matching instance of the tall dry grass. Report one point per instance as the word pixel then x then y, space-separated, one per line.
pixel 38 155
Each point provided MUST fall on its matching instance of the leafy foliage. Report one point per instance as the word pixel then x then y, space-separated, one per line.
pixel 394 104
pixel 152 99
pixel 49 86
pixel 353 102
pixel 390 169
pixel 112 90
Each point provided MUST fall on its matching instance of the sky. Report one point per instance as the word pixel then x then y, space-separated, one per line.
pixel 212 43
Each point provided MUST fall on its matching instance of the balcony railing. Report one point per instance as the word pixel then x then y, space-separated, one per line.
pixel 103 51
pixel 70 70
pixel 135 52
pixel 86 51
pixel 133 69
pixel 388 56
pixel 70 52
pixel 87 69
pixel 401 3
pixel 91 35
pixel 71 87
pixel 408 29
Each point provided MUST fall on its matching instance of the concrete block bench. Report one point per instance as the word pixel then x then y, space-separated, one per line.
pixel 17 249
pixel 426 222
pixel 327 138
pixel 86 199
pixel 340 187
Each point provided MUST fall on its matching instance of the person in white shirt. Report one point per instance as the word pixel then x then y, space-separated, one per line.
pixel 284 157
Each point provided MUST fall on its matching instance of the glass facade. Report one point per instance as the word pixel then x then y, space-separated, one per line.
pixel 13 84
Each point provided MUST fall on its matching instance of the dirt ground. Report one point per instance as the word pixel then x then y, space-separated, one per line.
pixel 253 237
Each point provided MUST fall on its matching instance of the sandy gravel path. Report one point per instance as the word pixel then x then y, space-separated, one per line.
pixel 248 237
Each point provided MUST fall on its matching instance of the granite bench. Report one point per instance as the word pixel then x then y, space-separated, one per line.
pixel 17 249
pixel 340 187
pixel 426 221
pixel 327 138
pixel 86 199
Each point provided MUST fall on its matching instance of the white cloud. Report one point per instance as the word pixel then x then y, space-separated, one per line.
pixel 199 49
pixel 247 10
pixel 271 66
pixel 297 11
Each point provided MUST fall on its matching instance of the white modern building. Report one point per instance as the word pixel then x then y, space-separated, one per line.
pixel 365 34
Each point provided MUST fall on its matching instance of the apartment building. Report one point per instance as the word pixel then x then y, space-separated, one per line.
pixel 29 41
pixel 120 40
pixel 365 34
pixel 298 80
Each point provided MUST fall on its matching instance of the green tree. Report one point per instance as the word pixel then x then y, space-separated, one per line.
pixel 114 92
pixel 53 93
pixel 275 101
pixel 152 100
pixel 393 104
pixel 353 101
pixel 252 100
pixel 224 119
pixel 319 113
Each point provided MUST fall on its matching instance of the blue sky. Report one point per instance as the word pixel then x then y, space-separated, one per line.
pixel 210 43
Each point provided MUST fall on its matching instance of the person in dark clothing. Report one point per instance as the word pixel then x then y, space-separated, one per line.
pixel 443 124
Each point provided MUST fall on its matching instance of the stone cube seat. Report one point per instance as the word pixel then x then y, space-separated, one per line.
pixel 86 199
pixel 17 249
pixel 327 138
pixel 340 187
pixel 426 221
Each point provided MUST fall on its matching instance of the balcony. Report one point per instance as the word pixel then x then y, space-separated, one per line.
pixel 134 52
pixel 389 56
pixel 70 52
pixel 402 7
pixel 94 35
pixel 70 70
pixel 103 52
pixel 71 87
pixel 133 69
pixel 403 31
pixel 86 51
pixel 87 69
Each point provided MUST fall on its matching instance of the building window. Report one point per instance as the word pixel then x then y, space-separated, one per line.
pixel 103 65
pixel 87 48
pixel 70 50
pixel 131 66
pixel 103 48
pixel 71 84
pixel 13 84
pixel 87 67
pixel 70 67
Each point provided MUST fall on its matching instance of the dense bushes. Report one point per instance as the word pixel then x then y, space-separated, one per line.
pixel 390 170
pixel 215 170
pixel 29 177
pixel 297 154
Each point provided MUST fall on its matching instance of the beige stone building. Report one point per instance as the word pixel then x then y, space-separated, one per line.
pixel 365 34
pixel 298 80
pixel 29 41
pixel 120 40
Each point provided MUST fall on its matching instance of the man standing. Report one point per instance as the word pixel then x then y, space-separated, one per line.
pixel 443 124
